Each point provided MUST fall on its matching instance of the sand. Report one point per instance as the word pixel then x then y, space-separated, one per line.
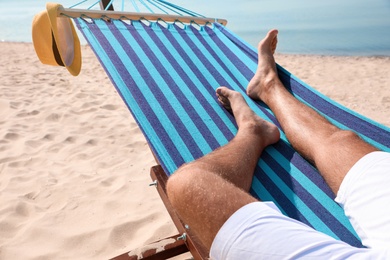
pixel 74 167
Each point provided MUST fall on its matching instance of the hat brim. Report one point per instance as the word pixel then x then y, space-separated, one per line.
pixel 70 52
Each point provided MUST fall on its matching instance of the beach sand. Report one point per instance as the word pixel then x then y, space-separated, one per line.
pixel 74 167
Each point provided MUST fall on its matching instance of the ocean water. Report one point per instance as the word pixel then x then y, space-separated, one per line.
pixel 332 27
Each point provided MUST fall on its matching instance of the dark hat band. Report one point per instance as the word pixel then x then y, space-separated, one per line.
pixel 56 52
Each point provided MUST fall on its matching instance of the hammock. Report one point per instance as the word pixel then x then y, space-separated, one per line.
pixel 167 74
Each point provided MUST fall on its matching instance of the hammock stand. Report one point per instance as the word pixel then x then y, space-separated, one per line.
pixel 323 219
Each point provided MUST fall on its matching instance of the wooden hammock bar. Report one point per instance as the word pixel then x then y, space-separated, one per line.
pixel 98 14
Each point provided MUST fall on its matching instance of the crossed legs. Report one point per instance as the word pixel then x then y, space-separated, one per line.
pixel 199 190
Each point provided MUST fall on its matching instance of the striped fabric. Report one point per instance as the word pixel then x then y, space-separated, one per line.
pixel 167 76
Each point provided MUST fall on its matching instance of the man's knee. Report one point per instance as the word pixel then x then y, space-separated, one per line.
pixel 343 135
pixel 336 141
pixel 341 144
pixel 180 184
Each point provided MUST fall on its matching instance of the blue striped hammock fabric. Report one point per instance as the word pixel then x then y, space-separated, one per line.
pixel 167 76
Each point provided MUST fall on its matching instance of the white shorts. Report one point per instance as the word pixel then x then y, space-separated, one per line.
pixel 364 195
pixel 271 235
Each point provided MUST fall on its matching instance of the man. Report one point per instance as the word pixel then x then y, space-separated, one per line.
pixel 211 194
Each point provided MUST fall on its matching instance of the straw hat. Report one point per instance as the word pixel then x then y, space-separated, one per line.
pixel 55 39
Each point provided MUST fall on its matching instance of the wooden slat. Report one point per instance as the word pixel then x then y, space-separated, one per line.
pixel 171 247
pixel 96 14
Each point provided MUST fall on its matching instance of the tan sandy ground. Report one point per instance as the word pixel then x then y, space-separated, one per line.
pixel 74 167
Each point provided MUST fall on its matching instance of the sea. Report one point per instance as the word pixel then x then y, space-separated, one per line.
pixel 331 27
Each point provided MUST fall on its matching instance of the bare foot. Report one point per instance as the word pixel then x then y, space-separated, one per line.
pixel 246 119
pixel 266 71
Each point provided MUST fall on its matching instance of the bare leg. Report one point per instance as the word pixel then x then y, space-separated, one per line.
pixel 205 193
pixel 332 150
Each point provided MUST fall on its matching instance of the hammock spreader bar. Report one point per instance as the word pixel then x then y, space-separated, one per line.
pixel 95 14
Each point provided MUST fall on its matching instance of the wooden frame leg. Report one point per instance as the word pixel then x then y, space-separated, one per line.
pixel 172 246
pixel 194 245
pixel 162 249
